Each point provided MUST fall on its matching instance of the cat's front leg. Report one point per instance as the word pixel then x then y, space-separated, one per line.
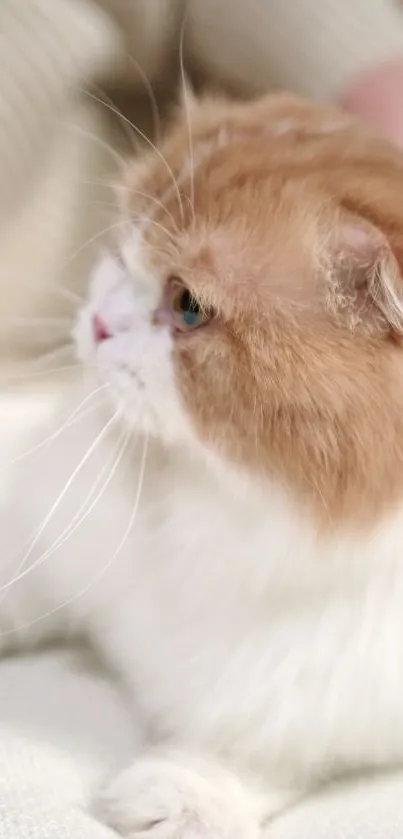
pixel 174 795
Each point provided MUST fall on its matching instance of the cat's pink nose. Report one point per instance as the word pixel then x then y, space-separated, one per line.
pixel 99 330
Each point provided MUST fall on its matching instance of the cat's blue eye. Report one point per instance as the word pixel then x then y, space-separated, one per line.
pixel 190 317
pixel 188 314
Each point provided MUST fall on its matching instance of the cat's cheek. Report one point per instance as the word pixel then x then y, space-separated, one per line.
pixel 140 371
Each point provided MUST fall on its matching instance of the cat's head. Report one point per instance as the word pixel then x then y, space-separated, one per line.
pixel 253 304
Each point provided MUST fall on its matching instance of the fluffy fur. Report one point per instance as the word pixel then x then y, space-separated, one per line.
pixel 231 538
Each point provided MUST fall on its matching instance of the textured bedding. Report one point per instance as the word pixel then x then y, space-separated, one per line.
pixel 64 729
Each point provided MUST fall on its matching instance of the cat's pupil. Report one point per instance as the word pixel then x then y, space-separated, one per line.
pixel 188 303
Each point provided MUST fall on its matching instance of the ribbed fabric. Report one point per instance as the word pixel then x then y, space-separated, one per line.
pixel 48 48
pixel 313 47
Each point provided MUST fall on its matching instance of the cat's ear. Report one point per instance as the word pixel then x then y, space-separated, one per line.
pixel 365 279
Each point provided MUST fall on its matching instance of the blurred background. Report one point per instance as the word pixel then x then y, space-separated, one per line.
pixel 84 84
pixel 84 81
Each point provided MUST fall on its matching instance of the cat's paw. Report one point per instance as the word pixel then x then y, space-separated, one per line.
pixel 157 798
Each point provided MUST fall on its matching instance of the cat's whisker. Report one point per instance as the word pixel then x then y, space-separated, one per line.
pixel 28 368
pixel 167 249
pixel 77 414
pixel 47 355
pixel 105 183
pixel 150 143
pixel 68 346
pixel 82 513
pixel 114 556
pixel 101 203
pixel 108 184
pixel 33 320
pixel 38 323
pixel 27 376
pixel 187 108
pixel 22 570
pixel 128 529
pixel 120 454
pixel 69 295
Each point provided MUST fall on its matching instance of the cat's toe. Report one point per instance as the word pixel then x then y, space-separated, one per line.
pixel 155 799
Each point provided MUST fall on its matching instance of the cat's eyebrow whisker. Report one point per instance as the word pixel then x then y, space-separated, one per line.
pixel 101 143
pixel 192 209
pixel 187 107
pixel 149 142
pixel 75 415
pixel 141 194
pixel 119 224
pixel 153 101
pixel 166 252
pixel 114 204
pixel 22 570
pixel 145 195
pixel 156 202
pixel 147 220
pixel 107 101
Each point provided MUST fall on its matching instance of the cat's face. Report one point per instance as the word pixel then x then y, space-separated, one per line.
pixel 252 305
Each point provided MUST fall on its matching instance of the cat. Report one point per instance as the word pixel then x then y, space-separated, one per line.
pixel 221 515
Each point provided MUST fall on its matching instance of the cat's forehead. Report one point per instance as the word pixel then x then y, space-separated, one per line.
pixel 232 186
pixel 237 197
pixel 242 234
pixel 219 155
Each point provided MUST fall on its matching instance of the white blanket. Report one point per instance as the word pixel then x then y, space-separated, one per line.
pixel 64 727
pixel 61 734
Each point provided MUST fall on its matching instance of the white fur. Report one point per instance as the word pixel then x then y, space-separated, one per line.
pixel 265 657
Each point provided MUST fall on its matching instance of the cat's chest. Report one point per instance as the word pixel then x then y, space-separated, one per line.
pixel 231 619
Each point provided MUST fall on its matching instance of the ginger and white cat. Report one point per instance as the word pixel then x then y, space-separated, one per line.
pixel 223 518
